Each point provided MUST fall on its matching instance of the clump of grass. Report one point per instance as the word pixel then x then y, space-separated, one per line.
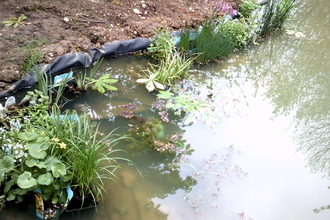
pixel 212 43
pixel 275 13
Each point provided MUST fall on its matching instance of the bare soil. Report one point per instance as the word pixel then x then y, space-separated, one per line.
pixel 69 26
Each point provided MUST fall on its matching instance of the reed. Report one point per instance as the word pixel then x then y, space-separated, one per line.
pixel 275 13
pixel 212 43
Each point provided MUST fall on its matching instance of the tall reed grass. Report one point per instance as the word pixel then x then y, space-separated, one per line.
pixel 275 13
pixel 212 43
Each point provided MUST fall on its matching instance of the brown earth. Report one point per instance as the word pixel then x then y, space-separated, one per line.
pixel 68 26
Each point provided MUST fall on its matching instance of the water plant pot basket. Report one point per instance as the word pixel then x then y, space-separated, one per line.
pixel 43 212
pixel 77 203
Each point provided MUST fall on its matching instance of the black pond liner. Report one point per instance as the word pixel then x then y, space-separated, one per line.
pixel 76 60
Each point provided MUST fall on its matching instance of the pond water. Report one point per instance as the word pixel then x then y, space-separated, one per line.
pixel 246 167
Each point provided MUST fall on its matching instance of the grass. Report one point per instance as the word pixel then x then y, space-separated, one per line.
pixel 92 158
pixel 276 12
pixel 212 43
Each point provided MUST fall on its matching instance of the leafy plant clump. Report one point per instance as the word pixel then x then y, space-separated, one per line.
pixel 212 43
pixel 86 80
pixel 247 7
pixel 15 21
pixel 275 13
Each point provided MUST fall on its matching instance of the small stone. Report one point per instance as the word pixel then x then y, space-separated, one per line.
pixel 66 19
pixel 137 11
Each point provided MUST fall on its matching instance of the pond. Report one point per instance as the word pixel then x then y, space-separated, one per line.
pixel 273 100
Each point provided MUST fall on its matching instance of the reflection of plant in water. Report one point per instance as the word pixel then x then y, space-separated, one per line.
pixel 210 172
pixel 150 132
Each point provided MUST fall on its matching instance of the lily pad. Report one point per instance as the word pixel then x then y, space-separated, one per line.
pixel 26 180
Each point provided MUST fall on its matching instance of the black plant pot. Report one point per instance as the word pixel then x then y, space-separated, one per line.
pixel 78 203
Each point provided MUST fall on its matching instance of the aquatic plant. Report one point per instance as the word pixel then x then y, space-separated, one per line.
pixel 275 13
pixel 212 43
pixel 210 172
pixel 167 72
pixel 247 7
pixel 101 84
pixel 91 154
pixel 205 106
pixel 47 150
pixel 161 45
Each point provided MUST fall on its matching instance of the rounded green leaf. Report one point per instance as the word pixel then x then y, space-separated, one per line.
pixel 45 179
pixel 58 169
pixel 26 180
pixel 27 136
pixel 32 162
pixel 6 164
pixel 36 151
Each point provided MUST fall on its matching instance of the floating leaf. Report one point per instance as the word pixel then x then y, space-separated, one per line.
pixel 45 179
pixel 150 86
pixel 26 180
pixel 165 95
pixel 190 117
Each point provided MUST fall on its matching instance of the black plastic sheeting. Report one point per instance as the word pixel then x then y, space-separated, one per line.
pixel 75 60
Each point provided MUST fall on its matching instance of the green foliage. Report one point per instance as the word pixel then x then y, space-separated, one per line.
pixel 15 21
pixel 167 72
pixel 151 134
pixel 275 13
pixel 184 103
pixel 212 43
pixel 186 43
pixel 161 45
pixel 32 59
pixel 247 7
pixel 91 156
pixel 48 151
pixel 84 81
pixel 237 31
